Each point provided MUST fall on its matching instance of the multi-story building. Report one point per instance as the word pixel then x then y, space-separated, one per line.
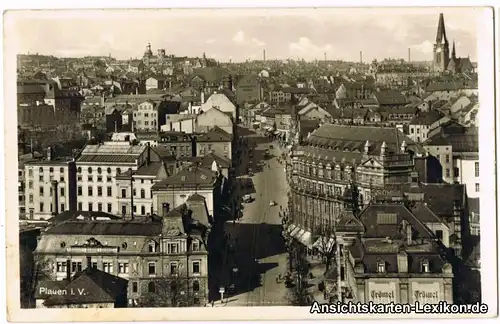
pixel 164 258
pixel 146 116
pixel 339 166
pixel 50 186
pixel 249 89
pixel 278 96
pixel 179 144
pixel 178 188
pixel 214 117
pixel 215 141
pixel 134 188
pixel 97 169
pixel 421 123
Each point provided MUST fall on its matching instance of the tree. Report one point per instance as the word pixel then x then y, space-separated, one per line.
pixel 34 269
pixel 327 246
pixel 166 292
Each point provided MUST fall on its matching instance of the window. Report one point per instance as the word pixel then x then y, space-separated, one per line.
pixel 437 157
pixel 79 170
pixel 89 170
pixel 196 246
pixel 99 191
pixel 124 193
pixel 123 267
pixel 151 268
pixel 31 199
pixel 418 130
pixel 380 266
pixel 152 247
pixel 79 178
pixel 107 267
pixel 109 171
pixel 79 190
pixel 425 266
pixel 439 234
pixel 108 179
pixel 41 191
pixel 143 210
pixel 196 286
pixel 456 172
pixel 109 191
pixel 94 265
pixel 173 268
pixel 61 170
pixel 143 193
pixel 124 210
pixel 99 178
pixel 99 207
pixel 151 287
pixel 134 287
pixel 61 266
pixel 40 178
pixel 90 179
pixel 447 172
pixel 118 170
pixel 90 206
pixel 196 266
pixel 80 206
pixel 476 169
pixel 62 208
pixel 51 170
pixel 172 248
pixel 99 170
pixel 90 191
pixel 41 207
pixel 30 184
pixel 30 173
pixel 447 158
pixel 76 266
pixel 62 192
pixel 477 187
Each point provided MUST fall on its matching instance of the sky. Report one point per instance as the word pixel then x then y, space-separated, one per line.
pixel 241 34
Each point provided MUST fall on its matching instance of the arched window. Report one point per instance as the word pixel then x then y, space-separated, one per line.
pixel 151 287
pixel 61 170
pixel 40 169
pixel 79 170
pixel 99 170
pixel 196 286
pixel 109 170
pixel 90 170
pixel 51 169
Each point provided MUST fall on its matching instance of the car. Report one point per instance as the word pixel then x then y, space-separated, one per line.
pixel 272 203
pixel 247 198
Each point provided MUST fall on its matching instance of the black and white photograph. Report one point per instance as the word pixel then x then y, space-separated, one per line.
pixel 276 163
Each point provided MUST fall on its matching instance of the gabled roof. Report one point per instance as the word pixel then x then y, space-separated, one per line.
pixel 426 118
pixel 215 134
pixel 390 97
pixel 191 176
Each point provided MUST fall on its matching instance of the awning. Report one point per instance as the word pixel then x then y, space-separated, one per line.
pixel 305 238
pixel 295 231
pixel 323 243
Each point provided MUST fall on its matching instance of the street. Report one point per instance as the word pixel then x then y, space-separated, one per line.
pixel 259 253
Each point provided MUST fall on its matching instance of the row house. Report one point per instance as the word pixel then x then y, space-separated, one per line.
pixel 216 141
pixel 390 99
pixel 398 116
pixel 164 257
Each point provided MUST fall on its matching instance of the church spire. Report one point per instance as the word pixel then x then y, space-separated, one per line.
pixel 453 52
pixel 441 32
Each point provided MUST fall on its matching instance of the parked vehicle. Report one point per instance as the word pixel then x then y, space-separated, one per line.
pixel 247 198
pixel 272 203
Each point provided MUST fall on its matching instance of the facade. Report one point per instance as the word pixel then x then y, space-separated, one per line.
pixel 134 189
pixel 146 116
pixel 215 141
pixel 158 82
pixel 97 169
pixel 214 117
pixel 180 144
pixel 338 167
pixel 50 187
pixel 249 89
pixel 222 103
pixel 162 257
pixel 278 96
pixel 421 123
pixel 180 123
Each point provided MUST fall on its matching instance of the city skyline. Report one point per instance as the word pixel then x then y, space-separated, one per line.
pixel 242 34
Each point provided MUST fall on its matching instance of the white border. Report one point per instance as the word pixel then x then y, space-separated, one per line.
pixel 488 185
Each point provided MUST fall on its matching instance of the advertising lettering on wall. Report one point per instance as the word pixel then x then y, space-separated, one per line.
pixel 382 293
pixel 426 293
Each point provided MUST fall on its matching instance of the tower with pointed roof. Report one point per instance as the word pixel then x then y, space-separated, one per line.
pixel 441 47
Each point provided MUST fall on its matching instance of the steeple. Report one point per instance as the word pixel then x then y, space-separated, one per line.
pixel 453 52
pixel 441 32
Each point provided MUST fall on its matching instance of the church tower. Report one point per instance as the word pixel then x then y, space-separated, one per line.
pixel 441 47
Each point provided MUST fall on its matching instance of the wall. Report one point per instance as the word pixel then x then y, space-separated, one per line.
pixel 213 118
pixel 219 148
pixel 466 168
pixel 220 102
pixel 146 117
pixel 445 156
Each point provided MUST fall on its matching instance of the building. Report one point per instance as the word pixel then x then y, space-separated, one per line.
pixel 97 169
pixel 146 116
pixel 192 180
pixel 180 123
pixel 421 123
pixel 157 82
pixel 134 188
pixel 215 141
pixel 278 96
pixel 214 117
pixel 180 144
pixel 339 167
pixel 249 89
pixel 88 288
pixel 164 258
pixel 50 186
pixel 222 103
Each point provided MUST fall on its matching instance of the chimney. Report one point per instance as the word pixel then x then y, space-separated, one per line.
pixel 54 197
pixel 89 262
pixel 409 55
pixel 360 56
pixel 264 54
pixel 68 270
pixel 49 153
pixel 148 154
pixel 166 209
pixel 402 262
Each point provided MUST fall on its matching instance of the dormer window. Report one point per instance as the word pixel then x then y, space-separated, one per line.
pixel 380 267
pixel 152 247
pixel 196 246
pixel 425 266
